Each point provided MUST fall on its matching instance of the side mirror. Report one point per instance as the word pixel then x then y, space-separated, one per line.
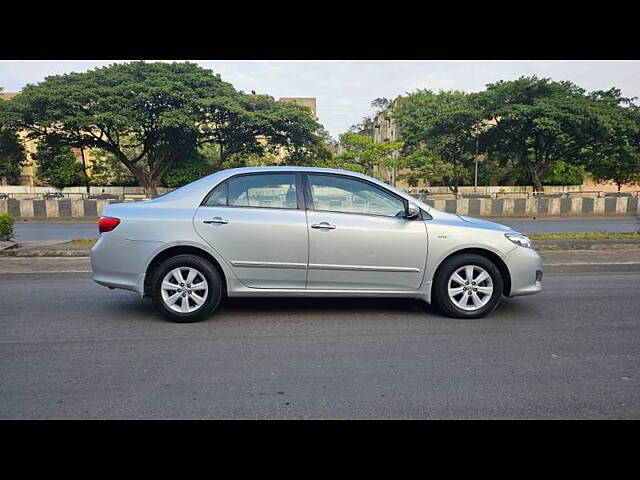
pixel 413 211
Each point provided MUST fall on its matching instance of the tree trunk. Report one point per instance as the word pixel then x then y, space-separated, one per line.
pixel 153 186
pixel 222 157
pixel 84 169
pixel 149 184
pixel 535 179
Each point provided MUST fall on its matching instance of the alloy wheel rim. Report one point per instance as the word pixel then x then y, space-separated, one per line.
pixel 470 287
pixel 184 289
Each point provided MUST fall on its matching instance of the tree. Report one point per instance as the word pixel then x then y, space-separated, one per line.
pixel 617 157
pixel 562 173
pixel 363 127
pixel 56 163
pixel 259 125
pixel 123 108
pixel 192 167
pixel 150 114
pixel 539 122
pixel 12 155
pixel 328 139
pixel 425 163
pixel 106 169
pixel 440 132
pixel 362 154
pixel 381 104
pixel 366 125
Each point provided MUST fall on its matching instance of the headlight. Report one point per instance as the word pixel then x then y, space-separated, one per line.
pixel 519 239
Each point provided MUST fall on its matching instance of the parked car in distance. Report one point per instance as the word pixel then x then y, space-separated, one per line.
pixel 297 231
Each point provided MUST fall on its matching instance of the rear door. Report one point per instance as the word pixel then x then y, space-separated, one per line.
pixel 359 237
pixel 257 222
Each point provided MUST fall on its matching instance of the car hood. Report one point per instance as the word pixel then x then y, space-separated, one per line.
pixel 486 223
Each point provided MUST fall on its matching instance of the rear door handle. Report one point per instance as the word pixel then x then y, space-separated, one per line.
pixel 326 225
pixel 216 220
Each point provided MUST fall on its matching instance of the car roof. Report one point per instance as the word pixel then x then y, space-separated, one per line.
pixel 234 171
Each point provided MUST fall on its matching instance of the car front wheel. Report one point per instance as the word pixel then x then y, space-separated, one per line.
pixel 186 288
pixel 468 286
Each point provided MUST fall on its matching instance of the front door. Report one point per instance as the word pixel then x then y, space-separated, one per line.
pixel 360 239
pixel 257 224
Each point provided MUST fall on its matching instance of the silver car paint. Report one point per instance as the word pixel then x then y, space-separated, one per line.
pixel 361 257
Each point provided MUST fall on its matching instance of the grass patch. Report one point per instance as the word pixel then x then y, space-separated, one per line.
pixel 585 236
pixel 82 242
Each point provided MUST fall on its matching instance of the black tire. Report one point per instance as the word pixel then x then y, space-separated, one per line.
pixel 440 286
pixel 214 283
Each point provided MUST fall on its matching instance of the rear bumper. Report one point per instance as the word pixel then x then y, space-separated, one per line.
pixel 525 268
pixel 120 263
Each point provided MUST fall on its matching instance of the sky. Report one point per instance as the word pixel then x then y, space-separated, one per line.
pixel 345 88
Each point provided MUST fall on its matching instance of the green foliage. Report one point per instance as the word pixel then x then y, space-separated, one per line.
pixel 438 171
pixel 528 131
pixel 108 170
pixel 440 134
pixel 258 125
pixel 562 173
pixel 617 157
pixel 191 167
pixel 187 172
pixel 56 163
pixel 149 115
pixel 6 227
pixel 539 122
pixel 12 154
pixel 362 154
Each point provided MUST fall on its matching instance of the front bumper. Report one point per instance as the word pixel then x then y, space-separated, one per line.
pixel 525 268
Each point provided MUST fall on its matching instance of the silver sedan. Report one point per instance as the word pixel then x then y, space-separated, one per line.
pixel 297 231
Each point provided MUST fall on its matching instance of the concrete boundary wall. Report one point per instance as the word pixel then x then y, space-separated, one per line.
pixel 475 207
pixel 93 190
pixel 529 207
pixel 54 209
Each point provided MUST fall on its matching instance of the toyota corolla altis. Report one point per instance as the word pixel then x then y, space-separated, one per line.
pixel 297 231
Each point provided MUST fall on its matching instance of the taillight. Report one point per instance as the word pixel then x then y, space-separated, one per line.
pixel 106 224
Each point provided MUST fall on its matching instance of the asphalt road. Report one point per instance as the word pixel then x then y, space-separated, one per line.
pixel 72 349
pixel 28 232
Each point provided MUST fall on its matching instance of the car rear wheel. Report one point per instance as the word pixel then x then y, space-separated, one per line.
pixel 468 286
pixel 186 288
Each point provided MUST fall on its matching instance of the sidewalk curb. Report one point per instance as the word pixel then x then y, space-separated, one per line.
pixel 4 245
pixel 45 253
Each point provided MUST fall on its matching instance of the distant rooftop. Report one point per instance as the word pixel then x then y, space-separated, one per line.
pixel 309 102
pixel 8 95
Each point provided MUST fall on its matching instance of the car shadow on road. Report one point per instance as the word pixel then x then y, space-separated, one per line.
pixel 339 306
pixel 132 307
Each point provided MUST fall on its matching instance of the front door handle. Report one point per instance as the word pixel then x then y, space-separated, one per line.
pixel 326 225
pixel 216 220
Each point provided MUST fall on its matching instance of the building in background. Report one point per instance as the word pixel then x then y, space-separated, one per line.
pixel 309 102
pixel 385 129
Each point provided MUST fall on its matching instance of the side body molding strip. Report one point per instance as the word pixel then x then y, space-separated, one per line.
pixel 363 268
